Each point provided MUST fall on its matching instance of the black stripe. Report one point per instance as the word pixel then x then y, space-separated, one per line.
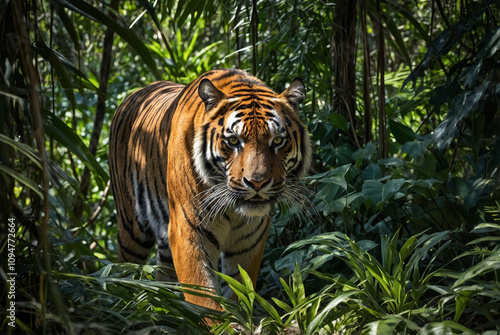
pixel 131 252
pixel 204 145
pixel 229 73
pixel 147 244
pixel 156 215
pixel 303 150
pixel 264 105
pixel 204 232
pixel 228 254
pixel 221 122
pixel 163 209
pixel 262 92
pixel 141 196
pixel 246 106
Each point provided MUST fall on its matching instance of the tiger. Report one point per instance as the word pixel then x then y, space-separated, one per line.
pixel 196 170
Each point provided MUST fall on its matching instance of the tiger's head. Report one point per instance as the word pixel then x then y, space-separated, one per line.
pixel 253 147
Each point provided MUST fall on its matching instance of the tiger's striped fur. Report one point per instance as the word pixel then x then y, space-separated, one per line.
pixel 197 168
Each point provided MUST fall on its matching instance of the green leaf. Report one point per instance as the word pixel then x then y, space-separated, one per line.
pixel 23 148
pixel 60 70
pixel 490 226
pixel 270 309
pixel 22 180
pixel 490 44
pixel 70 27
pixel 462 105
pixel 391 161
pixel 289 292
pixel 59 131
pixel 415 149
pixel 239 289
pixel 384 326
pixel 489 264
pixel 337 176
pixel 379 192
pixel 444 327
pixel 461 301
pixel 396 33
pixel 282 304
pixel 372 171
pixel 89 11
pixel 340 204
pixel 245 278
pixel 317 322
pixel 297 284
pixel 340 122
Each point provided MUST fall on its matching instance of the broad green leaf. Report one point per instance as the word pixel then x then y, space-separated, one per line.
pixel 372 171
pixel 426 183
pixel 340 122
pixel 415 149
pixel 379 192
pixel 340 204
pixel 337 176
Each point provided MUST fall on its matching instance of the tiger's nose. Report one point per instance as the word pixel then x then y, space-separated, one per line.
pixel 257 184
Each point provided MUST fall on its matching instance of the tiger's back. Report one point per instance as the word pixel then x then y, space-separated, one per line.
pixel 138 160
pixel 197 168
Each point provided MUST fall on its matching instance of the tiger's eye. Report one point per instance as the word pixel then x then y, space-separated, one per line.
pixel 278 140
pixel 233 140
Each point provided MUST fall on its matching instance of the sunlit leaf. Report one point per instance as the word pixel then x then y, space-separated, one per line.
pixel 59 131
pixel 91 12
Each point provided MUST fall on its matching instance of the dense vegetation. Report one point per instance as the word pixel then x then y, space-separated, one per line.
pixel 403 107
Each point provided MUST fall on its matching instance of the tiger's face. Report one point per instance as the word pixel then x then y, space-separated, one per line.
pixel 253 148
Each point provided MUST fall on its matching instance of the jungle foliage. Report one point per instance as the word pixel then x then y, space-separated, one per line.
pixel 403 108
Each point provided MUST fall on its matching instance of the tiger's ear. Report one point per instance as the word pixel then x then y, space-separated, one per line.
pixel 209 94
pixel 295 93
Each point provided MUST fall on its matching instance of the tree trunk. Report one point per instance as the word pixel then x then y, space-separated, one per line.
pixel 367 103
pixel 382 128
pixel 344 59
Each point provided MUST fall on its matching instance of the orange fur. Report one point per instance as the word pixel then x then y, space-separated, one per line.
pixel 197 168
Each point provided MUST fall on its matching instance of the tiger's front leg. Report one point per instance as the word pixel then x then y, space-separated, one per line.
pixel 195 253
pixel 245 248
